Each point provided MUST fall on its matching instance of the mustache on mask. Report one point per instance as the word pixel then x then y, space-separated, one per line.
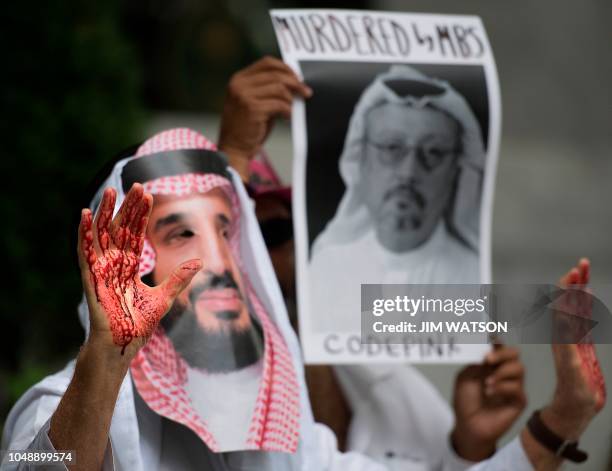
pixel 406 187
pixel 214 281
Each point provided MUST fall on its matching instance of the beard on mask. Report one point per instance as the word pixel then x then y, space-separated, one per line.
pixel 220 351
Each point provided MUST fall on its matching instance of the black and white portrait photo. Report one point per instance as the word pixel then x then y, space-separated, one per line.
pixel 412 167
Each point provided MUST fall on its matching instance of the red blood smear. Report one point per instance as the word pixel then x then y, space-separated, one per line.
pixel 592 369
pixel 133 309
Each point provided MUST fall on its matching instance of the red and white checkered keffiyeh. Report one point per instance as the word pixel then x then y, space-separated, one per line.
pixel 158 371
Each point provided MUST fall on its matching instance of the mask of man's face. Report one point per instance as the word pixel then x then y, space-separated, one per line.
pixel 408 172
pixel 209 323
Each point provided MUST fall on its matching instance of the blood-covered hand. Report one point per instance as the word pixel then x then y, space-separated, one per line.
pixel 581 391
pixel 123 311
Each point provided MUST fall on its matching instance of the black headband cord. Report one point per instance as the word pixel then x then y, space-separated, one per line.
pixel 166 164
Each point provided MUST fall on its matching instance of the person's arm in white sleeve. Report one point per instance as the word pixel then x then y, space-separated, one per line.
pixel 452 461
pixel 82 419
pixel 511 457
pixel 42 444
pixel 29 432
pixel 26 430
pixel 567 416
pixel 331 459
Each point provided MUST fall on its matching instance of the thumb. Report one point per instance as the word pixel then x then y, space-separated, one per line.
pixel 178 280
pixel 86 254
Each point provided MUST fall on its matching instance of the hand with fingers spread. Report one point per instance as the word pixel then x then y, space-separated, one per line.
pixel 123 313
pixel 255 96
pixel 488 398
pixel 581 391
pixel 122 308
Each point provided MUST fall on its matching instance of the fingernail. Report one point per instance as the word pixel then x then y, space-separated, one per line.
pixel 308 92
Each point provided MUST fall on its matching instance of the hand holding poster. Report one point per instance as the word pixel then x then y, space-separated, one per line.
pixel 394 168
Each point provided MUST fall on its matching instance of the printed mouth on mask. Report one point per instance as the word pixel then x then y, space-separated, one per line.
pixel 227 315
pixel 218 290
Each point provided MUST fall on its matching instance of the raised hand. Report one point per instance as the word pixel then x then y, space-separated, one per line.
pixel 488 398
pixel 581 391
pixel 123 310
pixel 256 95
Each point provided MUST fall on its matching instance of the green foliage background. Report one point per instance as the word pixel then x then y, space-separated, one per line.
pixel 70 99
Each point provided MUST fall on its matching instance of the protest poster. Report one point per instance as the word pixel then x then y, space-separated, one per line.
pixel 394 167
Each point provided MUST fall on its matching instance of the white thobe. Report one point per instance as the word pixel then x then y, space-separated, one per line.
pixel 141 440
pixel 222 398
